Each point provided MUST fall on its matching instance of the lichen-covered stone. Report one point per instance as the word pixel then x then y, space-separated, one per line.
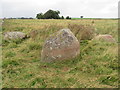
pixel 60 46
pixel 14 35
pixel 105 37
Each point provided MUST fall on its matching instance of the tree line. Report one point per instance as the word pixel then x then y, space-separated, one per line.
pixel 51 14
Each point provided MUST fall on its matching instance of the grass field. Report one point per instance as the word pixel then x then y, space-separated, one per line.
pixel 95 67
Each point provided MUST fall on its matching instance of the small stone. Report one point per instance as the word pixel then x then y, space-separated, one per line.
pixel 105 37
pixel 14 35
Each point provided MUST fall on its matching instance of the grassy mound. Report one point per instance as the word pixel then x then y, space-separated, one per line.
pixel 95 67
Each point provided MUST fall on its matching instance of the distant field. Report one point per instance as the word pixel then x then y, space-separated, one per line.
pixel 95 67
pixel 96 18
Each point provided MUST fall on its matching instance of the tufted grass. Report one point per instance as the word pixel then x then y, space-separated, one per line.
pixel 95 67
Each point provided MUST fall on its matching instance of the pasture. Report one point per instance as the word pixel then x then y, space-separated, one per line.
pixel 95 67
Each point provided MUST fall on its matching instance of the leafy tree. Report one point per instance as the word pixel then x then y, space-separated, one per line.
pixel 57 12
pixel 81 16
pixel 68 17
pixel 40 16
pixel 62 17
pixel 50 14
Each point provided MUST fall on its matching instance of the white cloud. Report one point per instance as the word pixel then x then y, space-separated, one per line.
pixel 73 8
pixel 0 9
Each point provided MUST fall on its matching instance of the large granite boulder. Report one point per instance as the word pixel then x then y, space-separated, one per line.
pixel 60 46
pixel 14 35
pixel 105 37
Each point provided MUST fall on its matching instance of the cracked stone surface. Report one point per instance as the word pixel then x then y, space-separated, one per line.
pixel 60 46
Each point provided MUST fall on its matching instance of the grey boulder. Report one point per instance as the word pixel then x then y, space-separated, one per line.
pixel 14 35
pixel 62 45
pixel 105 38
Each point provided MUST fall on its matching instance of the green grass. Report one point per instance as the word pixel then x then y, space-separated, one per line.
pixel 95 67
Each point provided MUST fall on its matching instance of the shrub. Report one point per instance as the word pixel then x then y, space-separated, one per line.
pixel 68 17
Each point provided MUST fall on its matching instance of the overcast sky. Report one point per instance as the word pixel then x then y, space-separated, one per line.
pixel 73 8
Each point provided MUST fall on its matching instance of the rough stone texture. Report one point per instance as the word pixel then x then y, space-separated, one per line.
pixel 106 37
pixel 62 45
pixel 14 35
